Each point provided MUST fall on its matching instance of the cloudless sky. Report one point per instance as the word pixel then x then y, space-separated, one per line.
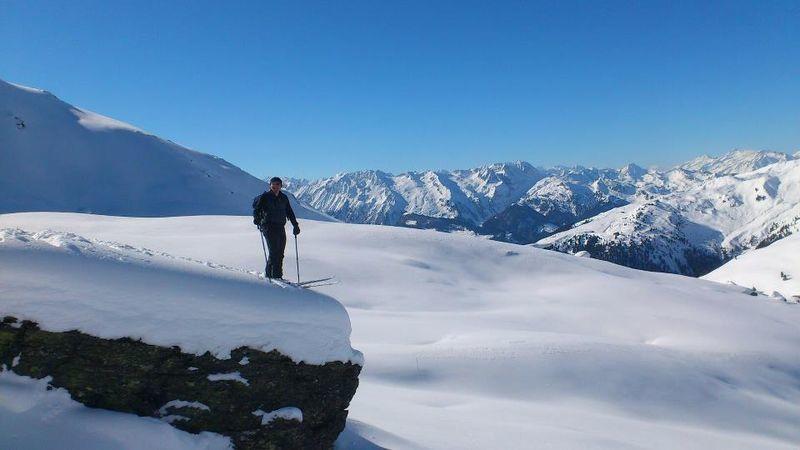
pixel 313 88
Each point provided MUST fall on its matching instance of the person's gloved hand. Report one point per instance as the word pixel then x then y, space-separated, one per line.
pixel 296 230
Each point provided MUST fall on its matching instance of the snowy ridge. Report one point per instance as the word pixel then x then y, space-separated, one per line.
pixel 516 202
pixel 64 281
pixel 471 198
pixel 694 231
pixel 462 198
pixel 737 161
pixel 53 157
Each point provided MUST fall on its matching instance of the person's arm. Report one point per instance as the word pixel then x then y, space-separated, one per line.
pixel 257 211
pixel 290 214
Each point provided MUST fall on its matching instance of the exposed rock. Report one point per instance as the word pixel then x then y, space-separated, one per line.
pixel 134 377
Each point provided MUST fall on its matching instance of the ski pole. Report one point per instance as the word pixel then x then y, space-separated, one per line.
pixel 266 261
pixel 297 258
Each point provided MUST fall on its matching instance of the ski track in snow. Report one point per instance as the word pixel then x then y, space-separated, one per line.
pixel 102 249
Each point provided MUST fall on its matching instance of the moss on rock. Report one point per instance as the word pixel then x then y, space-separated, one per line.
pixel 131 376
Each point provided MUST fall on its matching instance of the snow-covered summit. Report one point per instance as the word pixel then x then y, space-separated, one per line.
pixel 479 198
pixel 58 157
pixel 517 202
pixel 737 161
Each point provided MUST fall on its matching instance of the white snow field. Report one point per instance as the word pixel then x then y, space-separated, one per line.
pixel 58 157
pixel 476 344
pixel 775 268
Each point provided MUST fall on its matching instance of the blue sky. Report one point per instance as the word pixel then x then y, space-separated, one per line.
pixel 314 88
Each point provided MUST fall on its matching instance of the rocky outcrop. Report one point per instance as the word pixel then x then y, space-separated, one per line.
pixel 260 400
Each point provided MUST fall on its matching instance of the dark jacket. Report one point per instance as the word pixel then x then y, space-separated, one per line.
pixel 269 208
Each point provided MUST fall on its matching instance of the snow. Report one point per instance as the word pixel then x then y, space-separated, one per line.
pixel 98 122
pixel 232 376
pixel 33 417
pixel 178 404
pixel 775 268
pixel 29 89
pixel 729 213
pixel 472 343
pixel 108 289
pixel 63 155
pixel 737 161
pixel 698 216
pixel 287 413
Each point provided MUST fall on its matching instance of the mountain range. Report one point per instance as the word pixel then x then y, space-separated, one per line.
pixel 688 219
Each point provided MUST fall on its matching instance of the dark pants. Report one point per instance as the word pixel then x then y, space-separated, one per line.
pixel 276 243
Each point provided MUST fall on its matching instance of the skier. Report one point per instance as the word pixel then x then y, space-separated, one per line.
pixel 270 211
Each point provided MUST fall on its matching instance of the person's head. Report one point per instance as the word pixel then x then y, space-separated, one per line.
pixel 275 184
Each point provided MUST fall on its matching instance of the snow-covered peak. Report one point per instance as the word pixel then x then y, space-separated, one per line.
pixel 59 157
pixel 737 161
pixel 632 172
pixel 694 230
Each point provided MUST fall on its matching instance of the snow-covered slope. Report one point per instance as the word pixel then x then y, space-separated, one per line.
pixel 64 281
pixel 471 343
pixel 694 231
pixel 772 269
pixel 58 157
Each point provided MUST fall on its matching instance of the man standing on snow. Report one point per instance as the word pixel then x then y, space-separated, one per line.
pixel 270 211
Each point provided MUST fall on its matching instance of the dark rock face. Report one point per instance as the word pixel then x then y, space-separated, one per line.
pixel 433 223
pixel 524 224
pixel 778 232
pixel 130 376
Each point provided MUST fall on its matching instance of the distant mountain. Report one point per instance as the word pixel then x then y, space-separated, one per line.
pixel 737 161
pixel 695 230
pixel 58 157
pixel 517 202
pixel 514 201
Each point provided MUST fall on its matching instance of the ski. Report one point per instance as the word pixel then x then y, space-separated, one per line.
pixel 310 286
pixel 305 284
pixel 320 280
